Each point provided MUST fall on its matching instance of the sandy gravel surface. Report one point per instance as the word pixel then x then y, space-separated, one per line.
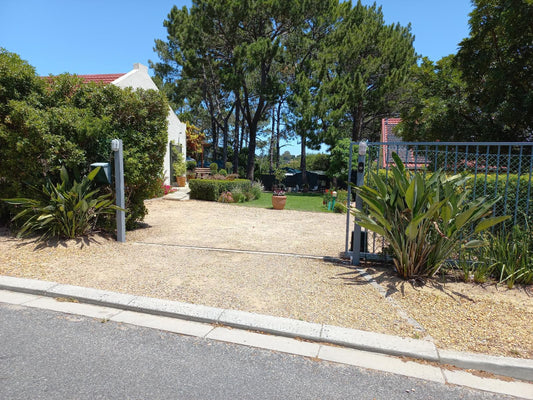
pixel 158 261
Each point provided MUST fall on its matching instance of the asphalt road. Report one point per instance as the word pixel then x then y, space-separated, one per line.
pixel 50 355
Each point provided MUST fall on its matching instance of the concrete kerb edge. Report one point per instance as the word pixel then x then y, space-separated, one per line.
pixel 351 338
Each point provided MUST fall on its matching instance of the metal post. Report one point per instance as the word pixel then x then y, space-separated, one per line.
pixel 116 146
pixel 348 201
pixel 356 255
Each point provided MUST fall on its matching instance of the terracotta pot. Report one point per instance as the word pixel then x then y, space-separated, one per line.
pixel 278 202
pixel 181 181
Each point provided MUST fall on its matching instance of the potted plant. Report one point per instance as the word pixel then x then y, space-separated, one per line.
pixel 279 199
pixel 179 169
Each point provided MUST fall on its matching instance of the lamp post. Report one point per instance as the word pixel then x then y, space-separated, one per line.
pixel 116 146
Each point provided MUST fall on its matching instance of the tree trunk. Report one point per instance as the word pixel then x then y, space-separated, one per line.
pixel 214 127
pixel 303 165
pixel 236 142
pixel 278 134
pixel 225 143
pixel 273 146
pixel 251 152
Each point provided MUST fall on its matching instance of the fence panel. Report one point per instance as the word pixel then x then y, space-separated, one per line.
pixel 496 169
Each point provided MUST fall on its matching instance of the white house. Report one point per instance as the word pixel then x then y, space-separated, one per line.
pixel 138 78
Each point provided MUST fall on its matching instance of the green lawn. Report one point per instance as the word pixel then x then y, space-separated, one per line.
pixel 295 201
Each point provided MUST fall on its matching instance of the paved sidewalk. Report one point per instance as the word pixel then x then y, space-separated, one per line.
pixel 325 342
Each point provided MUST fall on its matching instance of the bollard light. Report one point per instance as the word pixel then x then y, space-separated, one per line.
pixel 334 194
pixel 363 145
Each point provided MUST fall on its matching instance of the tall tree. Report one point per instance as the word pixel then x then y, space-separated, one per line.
pixel 435 105
pixel 364 65
pixel 496 61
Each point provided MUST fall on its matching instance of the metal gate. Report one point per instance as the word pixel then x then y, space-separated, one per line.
pixel 496 169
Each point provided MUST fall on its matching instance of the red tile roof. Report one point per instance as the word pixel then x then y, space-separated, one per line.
pixel 406 154
pixel 387 125
pixel 100 78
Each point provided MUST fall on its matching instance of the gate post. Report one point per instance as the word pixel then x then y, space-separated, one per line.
pixel 356 254
pixel 116 147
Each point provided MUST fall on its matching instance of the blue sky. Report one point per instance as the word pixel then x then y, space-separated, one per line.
pixel 109 36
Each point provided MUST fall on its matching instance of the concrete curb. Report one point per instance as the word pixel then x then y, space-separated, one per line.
pixel 321 333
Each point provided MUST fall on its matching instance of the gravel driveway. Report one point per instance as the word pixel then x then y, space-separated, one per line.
pixel 281 263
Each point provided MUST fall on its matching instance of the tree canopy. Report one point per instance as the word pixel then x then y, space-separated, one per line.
pixel 328 69
pixel 485 92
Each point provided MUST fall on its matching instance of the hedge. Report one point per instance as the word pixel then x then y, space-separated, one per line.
pixel 210 189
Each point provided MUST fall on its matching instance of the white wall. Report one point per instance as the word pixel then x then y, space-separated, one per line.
pixel 139 78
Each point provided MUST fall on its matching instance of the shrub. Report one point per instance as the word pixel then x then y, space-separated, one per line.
pixel 256 190
pixel 46 124
pixel 239 195
pixel 339 208
pixel 424 219
pixel 213 167
pixel 210 189
pixel 509 256
pixel 223 172
pixel 63 210
pixel 226 197
pixel 228 165
pixel 191 165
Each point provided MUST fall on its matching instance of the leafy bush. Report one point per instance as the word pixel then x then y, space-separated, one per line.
pixel 339 208
pixel 238 195
pixel 226 197
pixel 424 219
pixel 498 186
pixel 213 167
pixel 223 172
pixel 191 165
pixel 63 210
pixel 59 121
pixel 256 190
pixel 508 258
pixel 210 189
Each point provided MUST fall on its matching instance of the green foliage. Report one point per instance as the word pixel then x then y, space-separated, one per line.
pixel 238 195
pixel 210 189
pixel 178 164
pixel 508 257
pixel 213 167
pixel 339 157
pixel 223 172
pixel 496 62
pixel 256 190
pixel 59 122
pixel 339 208
pixel 424 218
pixel 67 209
pixel 191 165
pixel 436 106
pixel 279 175
pixel 317 162
pixel 366 63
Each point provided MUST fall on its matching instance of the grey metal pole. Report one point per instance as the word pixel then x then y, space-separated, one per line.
pixel 356 255
pixel 116 146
